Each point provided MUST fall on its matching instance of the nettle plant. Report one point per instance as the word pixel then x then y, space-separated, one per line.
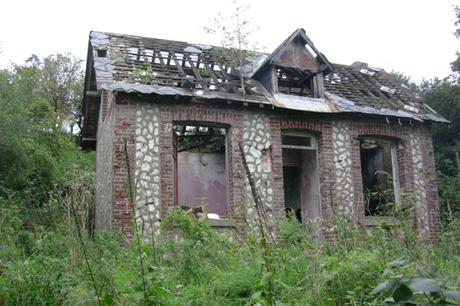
pixel 425 288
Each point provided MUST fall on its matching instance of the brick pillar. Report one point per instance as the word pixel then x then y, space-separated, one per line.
pixel 124 132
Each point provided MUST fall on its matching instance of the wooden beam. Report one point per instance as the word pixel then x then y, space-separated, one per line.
pixel 160 58
pixel 178 66
pixel 196 72
pixel 93 93
pixel 227 77
pixel 318 86
pixel 139 52
pixel 213 74
pixel 274 80
pixel 168 62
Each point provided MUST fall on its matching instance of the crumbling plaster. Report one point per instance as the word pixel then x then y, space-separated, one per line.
pixel 104 170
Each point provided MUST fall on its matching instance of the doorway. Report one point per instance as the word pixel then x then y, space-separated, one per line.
pixel 301 178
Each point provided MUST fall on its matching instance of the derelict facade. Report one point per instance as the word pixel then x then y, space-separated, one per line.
pixel 288 130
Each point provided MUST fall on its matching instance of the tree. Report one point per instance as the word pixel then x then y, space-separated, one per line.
pixel 60 80
pixel 443 95
pixel 455 65
pixel 235 31
pixel 405 79
pixel 34 146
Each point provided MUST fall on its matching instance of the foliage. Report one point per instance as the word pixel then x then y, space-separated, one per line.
pixel 425 288
pixel 196 266
pixel 49 254
pixel 60 79
pixel 405 80
pixel 235 32
pixel 36 151
pixel 443 96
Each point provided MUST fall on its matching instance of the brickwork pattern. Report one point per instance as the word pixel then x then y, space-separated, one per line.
pixel 431 187
pixel 180 114
pixel 124 135
pixel 323 131
pixel 243 125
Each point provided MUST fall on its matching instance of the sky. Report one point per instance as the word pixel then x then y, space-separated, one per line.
pixel 409 36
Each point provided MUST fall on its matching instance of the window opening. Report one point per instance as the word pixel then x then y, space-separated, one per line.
pixel 201 167
pixel 380 175
pixel 294 82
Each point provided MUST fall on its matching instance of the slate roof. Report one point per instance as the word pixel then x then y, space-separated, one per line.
pixel 156 66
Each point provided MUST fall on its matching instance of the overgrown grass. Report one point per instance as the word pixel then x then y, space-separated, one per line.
pixel 197 266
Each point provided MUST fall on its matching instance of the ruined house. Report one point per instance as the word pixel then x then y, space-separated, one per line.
pixel 318 139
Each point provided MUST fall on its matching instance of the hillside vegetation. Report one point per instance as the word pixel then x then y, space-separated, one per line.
pixel 50 255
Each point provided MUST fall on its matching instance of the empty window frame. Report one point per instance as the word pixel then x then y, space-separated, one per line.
pixel 294 82
pixel 301 178
pixel 379 170
pixel 293 139
pixel 200 161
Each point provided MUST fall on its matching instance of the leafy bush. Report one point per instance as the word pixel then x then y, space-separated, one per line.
pixel 193 265
pixel 425 288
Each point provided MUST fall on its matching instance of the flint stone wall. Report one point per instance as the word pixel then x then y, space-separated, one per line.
pixel 148 128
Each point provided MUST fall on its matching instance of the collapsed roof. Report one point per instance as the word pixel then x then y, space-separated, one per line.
pixel 126 63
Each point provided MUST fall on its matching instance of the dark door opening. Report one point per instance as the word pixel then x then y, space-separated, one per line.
pixel 301 179
pixel 291 176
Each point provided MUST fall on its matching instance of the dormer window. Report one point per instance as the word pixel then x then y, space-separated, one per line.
pixel 294 82
pixel 296 67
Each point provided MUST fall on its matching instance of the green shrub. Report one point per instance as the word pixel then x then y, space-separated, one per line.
pixel 193 265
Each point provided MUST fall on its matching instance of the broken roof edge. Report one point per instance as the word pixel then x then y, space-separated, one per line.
pixel 347 106
pixel 176 91
pixel 96 36
pixel 434 116
pixel 279 100
pixel 104 69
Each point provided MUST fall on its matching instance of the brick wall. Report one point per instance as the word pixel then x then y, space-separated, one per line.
pixel 170 114
pixel 124 134
pixel 431 186
pixel 233 117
